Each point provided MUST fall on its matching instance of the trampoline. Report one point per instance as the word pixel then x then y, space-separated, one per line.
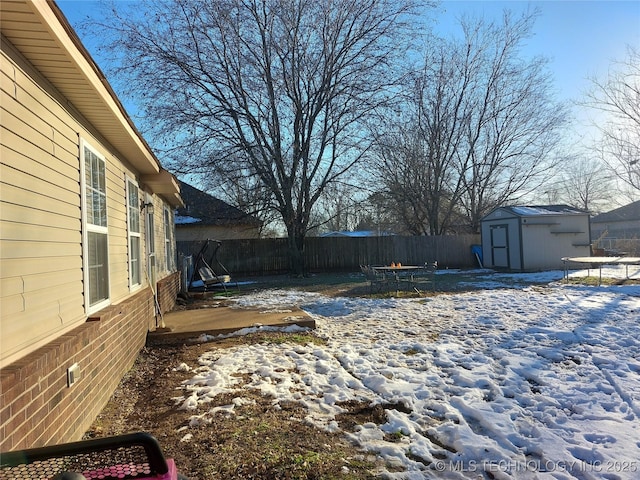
pixel 598 262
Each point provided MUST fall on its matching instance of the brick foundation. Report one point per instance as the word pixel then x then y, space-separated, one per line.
pixel 168 289
pixel 37 407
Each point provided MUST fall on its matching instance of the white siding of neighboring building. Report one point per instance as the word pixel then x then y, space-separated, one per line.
pixel 543 246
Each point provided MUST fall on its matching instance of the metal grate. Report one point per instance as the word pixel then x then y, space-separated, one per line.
pixel 134 456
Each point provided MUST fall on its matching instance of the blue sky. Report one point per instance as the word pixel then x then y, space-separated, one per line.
pixel 579 37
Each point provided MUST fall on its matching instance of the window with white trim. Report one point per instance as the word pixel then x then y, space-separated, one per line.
pixel 168 241
pixel 96 240
pixel 133 222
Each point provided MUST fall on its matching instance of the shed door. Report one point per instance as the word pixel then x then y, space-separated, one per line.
pixel 500 246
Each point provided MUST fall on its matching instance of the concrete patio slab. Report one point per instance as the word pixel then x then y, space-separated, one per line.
pixel 180 325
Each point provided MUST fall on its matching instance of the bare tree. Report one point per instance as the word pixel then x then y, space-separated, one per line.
pixel 618 98
pixel 514 124
pixel 586 185
pixel 481 128
pixel 415 178
pixel 378 213
pixel 274 89
pixel 416 156
pixel 338 208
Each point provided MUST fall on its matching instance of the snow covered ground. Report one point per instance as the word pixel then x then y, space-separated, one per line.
pixel 526 382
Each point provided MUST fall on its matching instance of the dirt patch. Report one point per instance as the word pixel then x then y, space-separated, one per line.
pixel 259 441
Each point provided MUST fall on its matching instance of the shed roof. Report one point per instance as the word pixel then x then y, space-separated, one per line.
pixel 202 209
pixel 541 210
pixel 623 214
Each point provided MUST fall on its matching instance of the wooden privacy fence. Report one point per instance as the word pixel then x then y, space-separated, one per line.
pixel 266 256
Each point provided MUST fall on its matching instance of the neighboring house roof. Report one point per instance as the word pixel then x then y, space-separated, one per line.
pixel 203 209
pixel 359 233
pixel 540 210
pixel 42 34
pixel 626 213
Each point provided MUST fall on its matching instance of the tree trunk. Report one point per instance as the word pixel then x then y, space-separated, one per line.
pixel 296 249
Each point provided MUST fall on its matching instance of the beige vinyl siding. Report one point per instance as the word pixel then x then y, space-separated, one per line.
pixel 41 293
pixel 18 269
pixel 42 179
pixel 24 222
pixel 41 284
pixel 38 109
pixel 45 137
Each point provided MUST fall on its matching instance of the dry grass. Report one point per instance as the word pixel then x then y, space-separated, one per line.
pixel 260 441
pixel 595 281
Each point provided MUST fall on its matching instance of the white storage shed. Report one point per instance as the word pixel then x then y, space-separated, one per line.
pixel 534 238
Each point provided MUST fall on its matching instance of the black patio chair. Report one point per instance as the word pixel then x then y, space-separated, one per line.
pixel 378 281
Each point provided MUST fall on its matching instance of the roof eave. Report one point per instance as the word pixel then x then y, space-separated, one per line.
pixel 166 185
pixel 74 74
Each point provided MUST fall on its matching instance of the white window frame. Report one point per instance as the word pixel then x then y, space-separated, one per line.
pixel 150 242
pixel 132 233
pixel 88 228
pixel 169 253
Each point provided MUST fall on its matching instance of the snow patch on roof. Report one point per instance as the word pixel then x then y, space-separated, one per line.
pixel 186 219
pixel 544 210
pixel 531 211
